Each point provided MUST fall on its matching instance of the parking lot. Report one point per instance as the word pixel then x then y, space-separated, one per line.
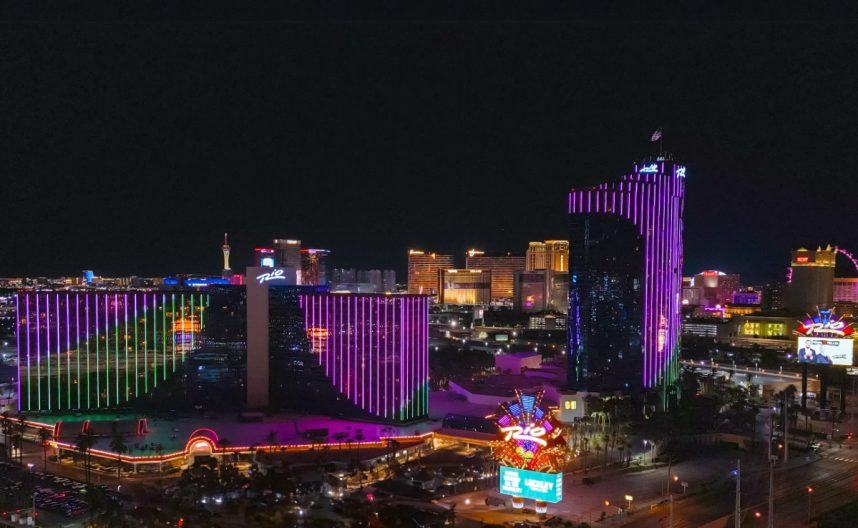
pixel 21 488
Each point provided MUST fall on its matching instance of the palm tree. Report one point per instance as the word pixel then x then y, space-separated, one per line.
pixel 271 440
pixel 83 443
pixel 6 427
pixel 158 450
pixel 45 436
pixel 117 444
pixel 21 426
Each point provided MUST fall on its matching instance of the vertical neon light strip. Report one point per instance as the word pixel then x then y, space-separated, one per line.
pixel 125 343
pixel 48 343
pixel 183 327
pixel 88 385
pixel 154 340
pixel 145 346
pixel 193 313
pixel 38 354
pixel 136 346
pixel 107 349
pixel 18 344
pixel 97 356
pixel 116 348
pixel 68 354
pixel 173 333
pixel 59 352
pixel 29 379
pixel 164 334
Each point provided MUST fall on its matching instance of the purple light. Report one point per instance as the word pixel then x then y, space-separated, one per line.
pixel 654 203
pixel 377 338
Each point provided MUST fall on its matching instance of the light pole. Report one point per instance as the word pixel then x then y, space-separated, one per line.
pixel 630 499
pixel 770 523
pixel 809 503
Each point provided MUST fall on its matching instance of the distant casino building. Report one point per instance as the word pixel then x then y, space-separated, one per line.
pixel 314 268
pixel 541 291
pixel 846 289
pixel 287 253
pixel 423 271
pixel 811 283
pixel 466 287
pixel 625 280
pixel 502 268
pixel 551 255
pixel 373 349
pixel 716 287
pixel 89 350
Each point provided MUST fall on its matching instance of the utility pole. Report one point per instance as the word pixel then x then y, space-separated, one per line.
pixel 786 427
pixel 771 518
pixel 670 518
pixel 738 510
pixel 669 463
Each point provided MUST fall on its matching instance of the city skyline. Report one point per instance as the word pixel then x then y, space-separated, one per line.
pixel 145 174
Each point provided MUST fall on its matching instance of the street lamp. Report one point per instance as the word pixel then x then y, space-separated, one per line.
pixel 809 504
pixel 630 499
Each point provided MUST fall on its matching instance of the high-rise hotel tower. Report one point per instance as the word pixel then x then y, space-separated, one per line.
pixel 625 280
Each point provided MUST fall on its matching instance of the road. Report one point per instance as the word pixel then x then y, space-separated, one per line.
pixel 585 503
pixel 832 479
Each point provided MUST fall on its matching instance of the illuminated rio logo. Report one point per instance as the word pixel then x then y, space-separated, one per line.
pixel 528 436
pixel 649 168
pixel 529 433
pixel 270 276
pixel 825 324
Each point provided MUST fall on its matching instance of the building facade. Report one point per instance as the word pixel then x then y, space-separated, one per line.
pixel 625 280
pixel 503 269
pixel 715 288
pixel 287 253
pixel 811 283
pixel 314 266
pixel 465 287
pixel 102 349
pixel 423 271
pixel 551 255
pixel 541 291
pixel 374 350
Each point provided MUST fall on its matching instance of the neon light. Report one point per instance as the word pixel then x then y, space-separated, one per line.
pixel 373 349
pixel 653 201
pixel 270 276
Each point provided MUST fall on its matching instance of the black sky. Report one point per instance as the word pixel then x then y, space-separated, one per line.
pixel 130 147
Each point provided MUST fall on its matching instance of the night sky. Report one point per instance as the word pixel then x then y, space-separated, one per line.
pixel 130 147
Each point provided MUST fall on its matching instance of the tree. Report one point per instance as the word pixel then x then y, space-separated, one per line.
pixel 6 427
pixel 83 443
pixel 45 436
pixel 21 427
pixel 117 444
pixel 271 440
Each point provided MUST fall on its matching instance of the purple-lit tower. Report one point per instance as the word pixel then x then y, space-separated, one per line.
pixel 625 275
pixel 374 350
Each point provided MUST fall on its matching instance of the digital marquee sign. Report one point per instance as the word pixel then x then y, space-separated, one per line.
pixel 544 487
pixel 825 339
pixel 825 351
pixel 529 437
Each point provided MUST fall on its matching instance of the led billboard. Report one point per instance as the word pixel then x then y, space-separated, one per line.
pixel 825 350
pixel 545 487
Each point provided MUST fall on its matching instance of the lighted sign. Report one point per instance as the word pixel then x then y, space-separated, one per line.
pixel 825 324
pixel 545 487
pixel 268 262
pixel 650 167
pixel 270 276
pixel 825 351
pixel 529 438
pixel 680 172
